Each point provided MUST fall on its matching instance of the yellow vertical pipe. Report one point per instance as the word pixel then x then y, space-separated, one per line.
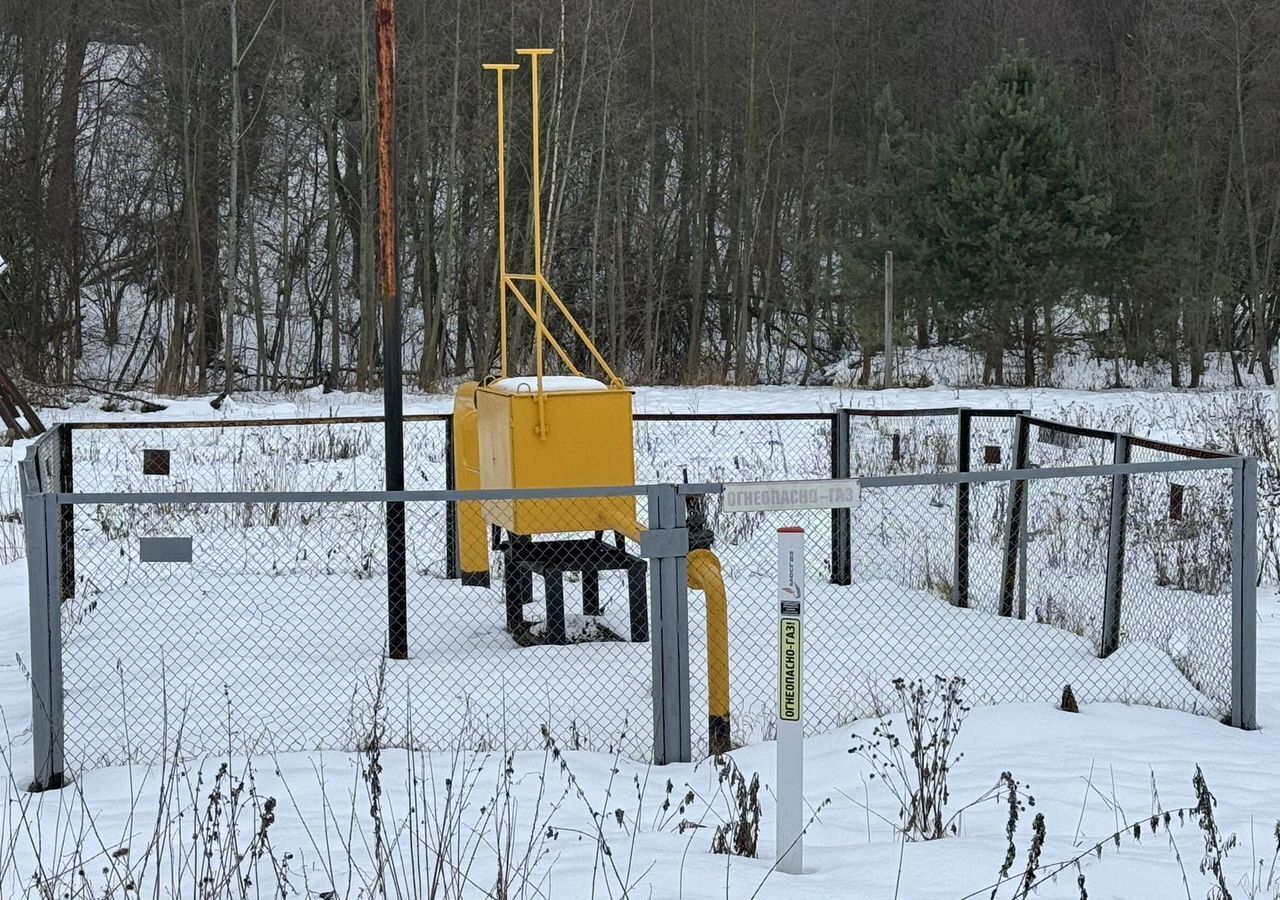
pixel 500 68
pixel 537 230
pixel 705 575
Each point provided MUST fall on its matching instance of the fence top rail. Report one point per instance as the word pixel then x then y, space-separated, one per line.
pixel 215 497
pixel 922 412
pixel 733 417
pixel 1056 472
pixel 995 412
pixel 1180 449
pixel 931 478
pixel 1134 440
pixel 165 424
pixel 1078 430
pixel 143 425
pixel 567 493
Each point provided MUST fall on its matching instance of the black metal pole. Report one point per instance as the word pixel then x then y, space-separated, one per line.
pixel 392 387
pixel 841 519
pixel 960 589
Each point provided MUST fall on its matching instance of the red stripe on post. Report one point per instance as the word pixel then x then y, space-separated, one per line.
pixel 791 529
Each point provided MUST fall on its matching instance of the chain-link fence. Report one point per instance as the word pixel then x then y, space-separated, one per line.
pixel 260 622
pixel 1040 601
pixel 341 454
pixel 260 619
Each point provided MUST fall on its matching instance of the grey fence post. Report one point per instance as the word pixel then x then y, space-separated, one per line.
pixel 42 526
pixel 1244 583
pixel 1111 603
pixel 960 571
pixel 1015 533
pixel 841 519
pixel 669 635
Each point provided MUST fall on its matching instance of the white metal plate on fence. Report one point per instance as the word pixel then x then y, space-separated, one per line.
pixel 769 496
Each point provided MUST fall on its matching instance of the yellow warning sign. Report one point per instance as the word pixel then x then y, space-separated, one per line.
pixel 789 669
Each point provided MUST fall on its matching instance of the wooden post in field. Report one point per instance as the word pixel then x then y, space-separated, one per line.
pixel 888 318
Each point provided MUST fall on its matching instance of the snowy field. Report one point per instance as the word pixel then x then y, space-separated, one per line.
pixel 272 640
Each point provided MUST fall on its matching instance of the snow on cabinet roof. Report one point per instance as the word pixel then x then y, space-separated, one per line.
pixel 551 384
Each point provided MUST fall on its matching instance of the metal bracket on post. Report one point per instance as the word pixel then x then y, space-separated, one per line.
pixel 660 543
pixel 42 525
pixel 1244 600
pixel 1014 532
pixel 960 569
pixel 669 628
pixel 1115 551
pixel 841 519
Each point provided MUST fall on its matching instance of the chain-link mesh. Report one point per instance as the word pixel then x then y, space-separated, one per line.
pixel 716 448
pixel 299 455
pixel 274 636
pixel 902 443
pixel 1034 620
pixel 346 453
pixel 1178 570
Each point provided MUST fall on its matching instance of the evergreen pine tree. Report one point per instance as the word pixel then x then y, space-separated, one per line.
pixel 1013 210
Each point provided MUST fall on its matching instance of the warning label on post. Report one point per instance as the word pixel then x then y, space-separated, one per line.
pixel 789 669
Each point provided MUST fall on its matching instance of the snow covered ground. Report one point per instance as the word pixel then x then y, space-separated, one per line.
pixel 1091 774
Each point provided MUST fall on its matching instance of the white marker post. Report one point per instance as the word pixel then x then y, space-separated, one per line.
pixel 790 780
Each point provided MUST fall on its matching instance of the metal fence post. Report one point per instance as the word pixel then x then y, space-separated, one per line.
pixel 67 512
pixel 841 519
pixel 669 635
pixel 1111 602
pixel 960 572
pixel 41 523
pixel 1244 582
pixel 1014 532
pixel 452 567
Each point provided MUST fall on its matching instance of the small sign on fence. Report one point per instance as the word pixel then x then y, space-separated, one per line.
pixel 791 599
pixel 770 496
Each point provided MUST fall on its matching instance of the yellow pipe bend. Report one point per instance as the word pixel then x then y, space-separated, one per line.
pixel 705 576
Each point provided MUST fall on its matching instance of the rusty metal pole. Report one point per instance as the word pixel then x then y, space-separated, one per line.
pixel 384 17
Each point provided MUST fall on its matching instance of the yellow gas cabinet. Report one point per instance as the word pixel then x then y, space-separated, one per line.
pixel 577 433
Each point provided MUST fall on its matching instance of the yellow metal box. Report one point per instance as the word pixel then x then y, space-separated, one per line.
pixel 473 534
pixel 588 442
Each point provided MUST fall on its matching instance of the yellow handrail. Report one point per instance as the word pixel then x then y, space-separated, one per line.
pixel 614 380
pixel 500 68
pixel 541 285
pixel 542 328
pixel 534 55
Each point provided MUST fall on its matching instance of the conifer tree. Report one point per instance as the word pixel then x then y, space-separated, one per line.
pixel 1013 211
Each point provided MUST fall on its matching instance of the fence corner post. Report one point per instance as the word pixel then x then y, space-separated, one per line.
pixel 1112 598
pixel 1244 585
pixel 1015 532
pixel 44 569
pixel 960 569
pixel 669 635
pixel 841 519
